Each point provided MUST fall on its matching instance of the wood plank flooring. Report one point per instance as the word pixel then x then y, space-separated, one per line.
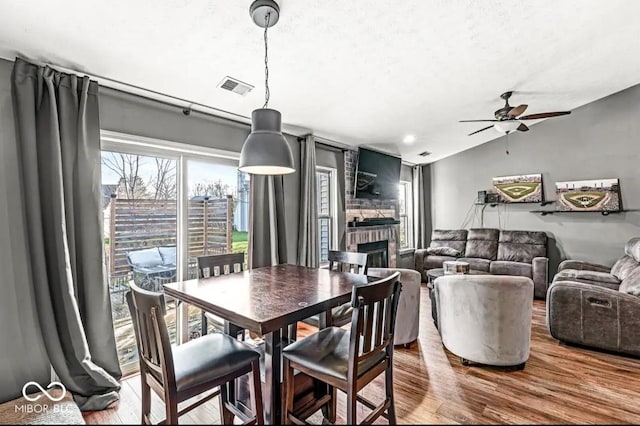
pixel 560 385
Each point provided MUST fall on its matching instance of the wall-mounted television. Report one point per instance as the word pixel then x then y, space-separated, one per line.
pixel 519 188
pixel 600 195
pixel 377 175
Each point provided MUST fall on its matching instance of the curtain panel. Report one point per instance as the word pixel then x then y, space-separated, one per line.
pixel 267 232
pixel 58 137
pixel 308 247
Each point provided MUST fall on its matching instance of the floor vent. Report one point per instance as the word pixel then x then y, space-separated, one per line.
pixel 235 86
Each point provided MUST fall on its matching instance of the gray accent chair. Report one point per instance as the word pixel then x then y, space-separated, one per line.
pixel 596 306
pixel 408 316
pixel 485 319
pixel 495 251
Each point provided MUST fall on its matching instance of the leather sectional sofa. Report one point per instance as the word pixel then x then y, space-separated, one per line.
pixel 495 251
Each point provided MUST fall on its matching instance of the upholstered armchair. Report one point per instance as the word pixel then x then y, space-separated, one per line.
pixel 408 316
pixel 485 319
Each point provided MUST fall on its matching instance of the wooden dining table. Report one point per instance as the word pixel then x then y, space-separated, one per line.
pixel 268 301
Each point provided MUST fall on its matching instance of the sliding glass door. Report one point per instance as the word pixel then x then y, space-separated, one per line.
pixel 164 205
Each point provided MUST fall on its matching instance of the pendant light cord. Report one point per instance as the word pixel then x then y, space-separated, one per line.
pixel 266 61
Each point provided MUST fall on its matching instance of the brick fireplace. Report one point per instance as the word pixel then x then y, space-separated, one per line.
pixel 357 238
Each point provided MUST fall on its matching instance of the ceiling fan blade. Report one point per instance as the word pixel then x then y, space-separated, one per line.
pixel 517 110
pixel 544 115
pixel 523 127
pixel 481 130
pixel 475 121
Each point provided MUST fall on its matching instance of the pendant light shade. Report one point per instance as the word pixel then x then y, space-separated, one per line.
pixel 266 151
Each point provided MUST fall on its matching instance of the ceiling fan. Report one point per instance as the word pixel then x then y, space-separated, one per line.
pixel 509 119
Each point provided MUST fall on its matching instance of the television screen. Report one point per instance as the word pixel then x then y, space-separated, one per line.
pixel 519 188
pixel 377 175
pixel 589 195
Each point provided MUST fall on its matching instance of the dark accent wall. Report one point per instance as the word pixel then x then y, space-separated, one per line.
pixel 598 140
pixel 22 354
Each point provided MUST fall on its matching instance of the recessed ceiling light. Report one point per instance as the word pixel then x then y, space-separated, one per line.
pixel 409 139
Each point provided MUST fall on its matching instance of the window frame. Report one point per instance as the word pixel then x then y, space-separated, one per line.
pixel 407 187
pixel 333 210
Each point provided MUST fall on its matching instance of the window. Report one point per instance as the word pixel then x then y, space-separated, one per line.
pixel 327 223
pixel 164 204
pixel 406 214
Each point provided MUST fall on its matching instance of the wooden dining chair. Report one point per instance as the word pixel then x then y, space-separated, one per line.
pixel 194 368
pixel 218 264
pixel 349 359
pixel 342 261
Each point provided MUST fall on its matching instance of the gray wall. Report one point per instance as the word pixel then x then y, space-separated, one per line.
pixel 598 140
pixel 126 113
pixel 22 354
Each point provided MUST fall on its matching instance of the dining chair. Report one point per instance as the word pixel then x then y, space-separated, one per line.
pixel 218 264
pixel 343 261
pixel 349 359
pixel 197 367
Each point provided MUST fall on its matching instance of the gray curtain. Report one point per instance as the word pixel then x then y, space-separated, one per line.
pixel 422 206
pixel 58 137
pixel 308 248
pixel 267 233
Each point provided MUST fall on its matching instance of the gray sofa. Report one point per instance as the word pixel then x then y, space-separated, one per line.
pixel 597 306
pixel 498 252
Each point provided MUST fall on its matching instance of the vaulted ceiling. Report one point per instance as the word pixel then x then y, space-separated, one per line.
pixel 357 72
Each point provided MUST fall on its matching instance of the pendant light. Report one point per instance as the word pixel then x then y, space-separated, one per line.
pixel 266 151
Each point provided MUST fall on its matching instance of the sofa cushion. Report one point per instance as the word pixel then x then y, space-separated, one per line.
pixel 477 263
pixel 631 284
pixel 146 257
pixel 482 243
pixel 168 255
pixel 454 238
pixel 632 248
pixel 433 261
pixel 521 246
pixel 443 251
pixel 503 267
pixel 624 266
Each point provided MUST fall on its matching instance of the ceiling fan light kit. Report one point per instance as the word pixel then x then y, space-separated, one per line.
pixel 266 151
pixel 508 119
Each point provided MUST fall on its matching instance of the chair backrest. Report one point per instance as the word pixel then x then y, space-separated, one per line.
pixel 373 321
pixel 346 261
pixel 152 338
pixel 220 264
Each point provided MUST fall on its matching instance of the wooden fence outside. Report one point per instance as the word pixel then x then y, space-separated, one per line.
pixel 136 224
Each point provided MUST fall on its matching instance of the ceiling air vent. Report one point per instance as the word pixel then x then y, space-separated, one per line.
pixel 424 154
pixel 235 86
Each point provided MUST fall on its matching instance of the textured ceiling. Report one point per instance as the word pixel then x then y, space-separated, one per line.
pixel 358 72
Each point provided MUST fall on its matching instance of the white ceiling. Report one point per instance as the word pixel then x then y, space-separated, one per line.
pixel 359 72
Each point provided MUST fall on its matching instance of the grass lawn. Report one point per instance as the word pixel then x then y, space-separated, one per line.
pixel 240 242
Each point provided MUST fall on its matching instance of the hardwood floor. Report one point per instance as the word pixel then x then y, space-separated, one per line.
pixel 560 384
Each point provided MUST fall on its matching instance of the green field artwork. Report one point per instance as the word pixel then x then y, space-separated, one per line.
pixel 519 188
pixel 589 195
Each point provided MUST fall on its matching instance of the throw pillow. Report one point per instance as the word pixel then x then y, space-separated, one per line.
pixel 443 251
pixel 631 284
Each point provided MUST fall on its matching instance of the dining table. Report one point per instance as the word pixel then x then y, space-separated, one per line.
pixel 269 301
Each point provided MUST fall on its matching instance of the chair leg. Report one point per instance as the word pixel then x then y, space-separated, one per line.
pixel 288 386
pixel 171 407
pixel 388 384
pixel 352 399
pixel 329 410
pixel 203 319
pixel 256 392
pixel 226 416
pixel 145 396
